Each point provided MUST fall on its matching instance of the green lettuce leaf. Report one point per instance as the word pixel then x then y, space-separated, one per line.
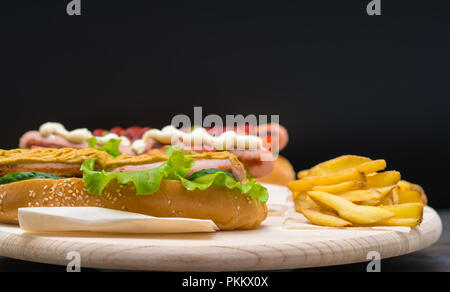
pixel 146 182
pixel 251 188
pixel 170 149
pixel 176 168
pixel 112 147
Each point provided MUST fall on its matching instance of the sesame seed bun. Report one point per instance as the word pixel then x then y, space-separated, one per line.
pixel 228 209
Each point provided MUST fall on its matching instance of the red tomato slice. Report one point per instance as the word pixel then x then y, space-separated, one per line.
pixel 118 131
pixel 99 132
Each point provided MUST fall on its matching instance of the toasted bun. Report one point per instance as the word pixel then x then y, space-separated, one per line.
pixel 228 209
pixel 282 173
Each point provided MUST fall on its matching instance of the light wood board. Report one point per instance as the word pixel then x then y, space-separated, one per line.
pixel 270 247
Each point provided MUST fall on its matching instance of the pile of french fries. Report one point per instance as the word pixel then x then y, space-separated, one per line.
pixel 351 191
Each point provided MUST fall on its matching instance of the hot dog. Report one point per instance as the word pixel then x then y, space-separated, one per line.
pixel 175 184
pixel 255 160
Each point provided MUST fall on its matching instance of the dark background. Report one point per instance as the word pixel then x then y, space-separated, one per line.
pixel 341 81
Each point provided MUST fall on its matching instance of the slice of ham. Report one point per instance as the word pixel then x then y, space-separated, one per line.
pixel 223 164
pixel 34 138
pixel 258 162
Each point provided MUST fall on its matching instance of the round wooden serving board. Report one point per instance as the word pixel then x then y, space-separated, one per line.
pixel 270 247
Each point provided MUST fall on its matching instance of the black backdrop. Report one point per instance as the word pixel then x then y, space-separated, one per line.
pixel 341 81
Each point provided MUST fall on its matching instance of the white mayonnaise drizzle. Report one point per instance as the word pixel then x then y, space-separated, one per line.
pixel 75 136
pixel 138 146
pixel 198 137
pixel 167 135
pixel 78 135
pixel 103 140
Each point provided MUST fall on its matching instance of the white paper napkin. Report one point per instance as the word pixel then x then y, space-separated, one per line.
pixel 280 199
pixel 52 219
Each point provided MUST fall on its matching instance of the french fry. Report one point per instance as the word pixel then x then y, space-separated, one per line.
pixel 350 211
pixel 309 182
pixel 303 201
pixel 334 165
pixel 303 173
pixel 408 210
pixel 404 185
pixel 396 195
pixel 350 189
pixel 341 187
pixel 370 203
pixel 385 191
pixel 339 177
pixel 382 179
pixel 421 191
pixel 407 222
pixel 369 197
pixel 361 195
pixel 318 218
pixel 301 185
pixel 372 166
pixel 387 201
pixel 322 207
pixel 408 197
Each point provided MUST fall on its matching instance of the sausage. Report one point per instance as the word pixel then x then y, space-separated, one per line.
pixel 259 163
pixel 267 132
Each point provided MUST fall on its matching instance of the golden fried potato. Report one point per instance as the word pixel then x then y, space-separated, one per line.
pixel 361 195
pixel 395 195
pixel 408 210
pixel 341 187
pixel 367 195
pixel 322 219
pixel 385 191
pixel 370 203
pixel 350 211
pixel 408 196
pixel 350 189
pixel 372 166
pixel 387 201
pixel 309 182
pixel 409 193
pixel 300 186
pixel 303 173
pixel 382 179
pixel 334 165
pixel 303 201
pixel 407 222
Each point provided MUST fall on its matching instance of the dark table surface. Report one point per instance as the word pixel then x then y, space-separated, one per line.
pixel 436 258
